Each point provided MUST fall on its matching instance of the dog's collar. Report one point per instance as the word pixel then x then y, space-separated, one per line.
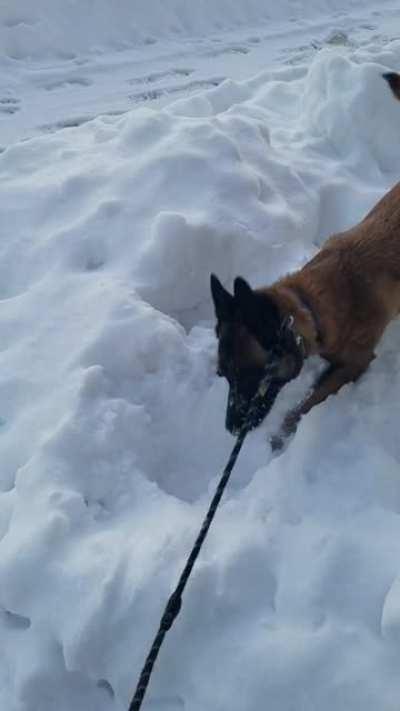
pixel 305 303
pixel 298 337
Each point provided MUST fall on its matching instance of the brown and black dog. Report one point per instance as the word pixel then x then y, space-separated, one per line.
pixel 337 306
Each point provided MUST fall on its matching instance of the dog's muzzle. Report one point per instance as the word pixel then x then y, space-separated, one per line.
pixel 250 410
pixel 251 399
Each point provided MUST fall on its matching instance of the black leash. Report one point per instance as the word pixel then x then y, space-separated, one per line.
pixel 174 603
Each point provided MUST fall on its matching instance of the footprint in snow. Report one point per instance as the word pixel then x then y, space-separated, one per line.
pixel 71 122
pixel 232 49
pixel 9 105
pixel 153 94
pixel 16 622
pixel 67 82
pixel 339 38
pixel 17 21
pixel 75 122
pixel 157 76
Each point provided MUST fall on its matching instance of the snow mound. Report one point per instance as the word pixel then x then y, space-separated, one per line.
pixel 349 116
pixel 111 416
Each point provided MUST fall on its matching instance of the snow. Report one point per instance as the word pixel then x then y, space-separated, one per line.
pixel 66 27
pixel 111 415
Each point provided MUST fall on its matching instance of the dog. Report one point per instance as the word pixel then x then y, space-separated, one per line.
pixel 337 306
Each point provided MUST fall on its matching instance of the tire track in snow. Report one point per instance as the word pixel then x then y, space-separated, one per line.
pixel 154 94
pixel 75 95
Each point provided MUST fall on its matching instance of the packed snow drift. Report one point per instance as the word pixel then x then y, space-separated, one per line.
pixel 112 417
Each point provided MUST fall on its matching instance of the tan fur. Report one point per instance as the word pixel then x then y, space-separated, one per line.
pixel 343 299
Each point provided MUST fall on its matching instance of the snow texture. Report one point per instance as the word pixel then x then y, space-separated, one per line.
pixel 65 27
pixel 112 417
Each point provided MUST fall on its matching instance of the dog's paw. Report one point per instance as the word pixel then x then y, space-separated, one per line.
pixel 280 441
pixel 276 441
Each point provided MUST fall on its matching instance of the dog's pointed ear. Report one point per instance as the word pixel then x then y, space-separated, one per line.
pixel 259 312
pixel 223 300
pixel 393 79
pixel 244 296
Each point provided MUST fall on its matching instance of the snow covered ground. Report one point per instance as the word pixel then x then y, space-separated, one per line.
pixel 64 63
pixel 224 141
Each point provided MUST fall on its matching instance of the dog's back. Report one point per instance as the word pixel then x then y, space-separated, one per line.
pixel 353 283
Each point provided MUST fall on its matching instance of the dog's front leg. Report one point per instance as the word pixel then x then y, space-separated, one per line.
pixel 329 383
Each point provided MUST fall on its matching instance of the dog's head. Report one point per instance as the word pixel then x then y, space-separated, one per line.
pixel 253 337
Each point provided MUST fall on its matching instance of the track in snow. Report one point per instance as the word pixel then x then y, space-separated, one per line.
pixel 45 96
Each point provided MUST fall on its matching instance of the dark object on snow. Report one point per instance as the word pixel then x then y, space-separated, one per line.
pixel 393 79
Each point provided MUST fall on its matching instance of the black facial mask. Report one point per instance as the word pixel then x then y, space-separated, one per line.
pixel 246 405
